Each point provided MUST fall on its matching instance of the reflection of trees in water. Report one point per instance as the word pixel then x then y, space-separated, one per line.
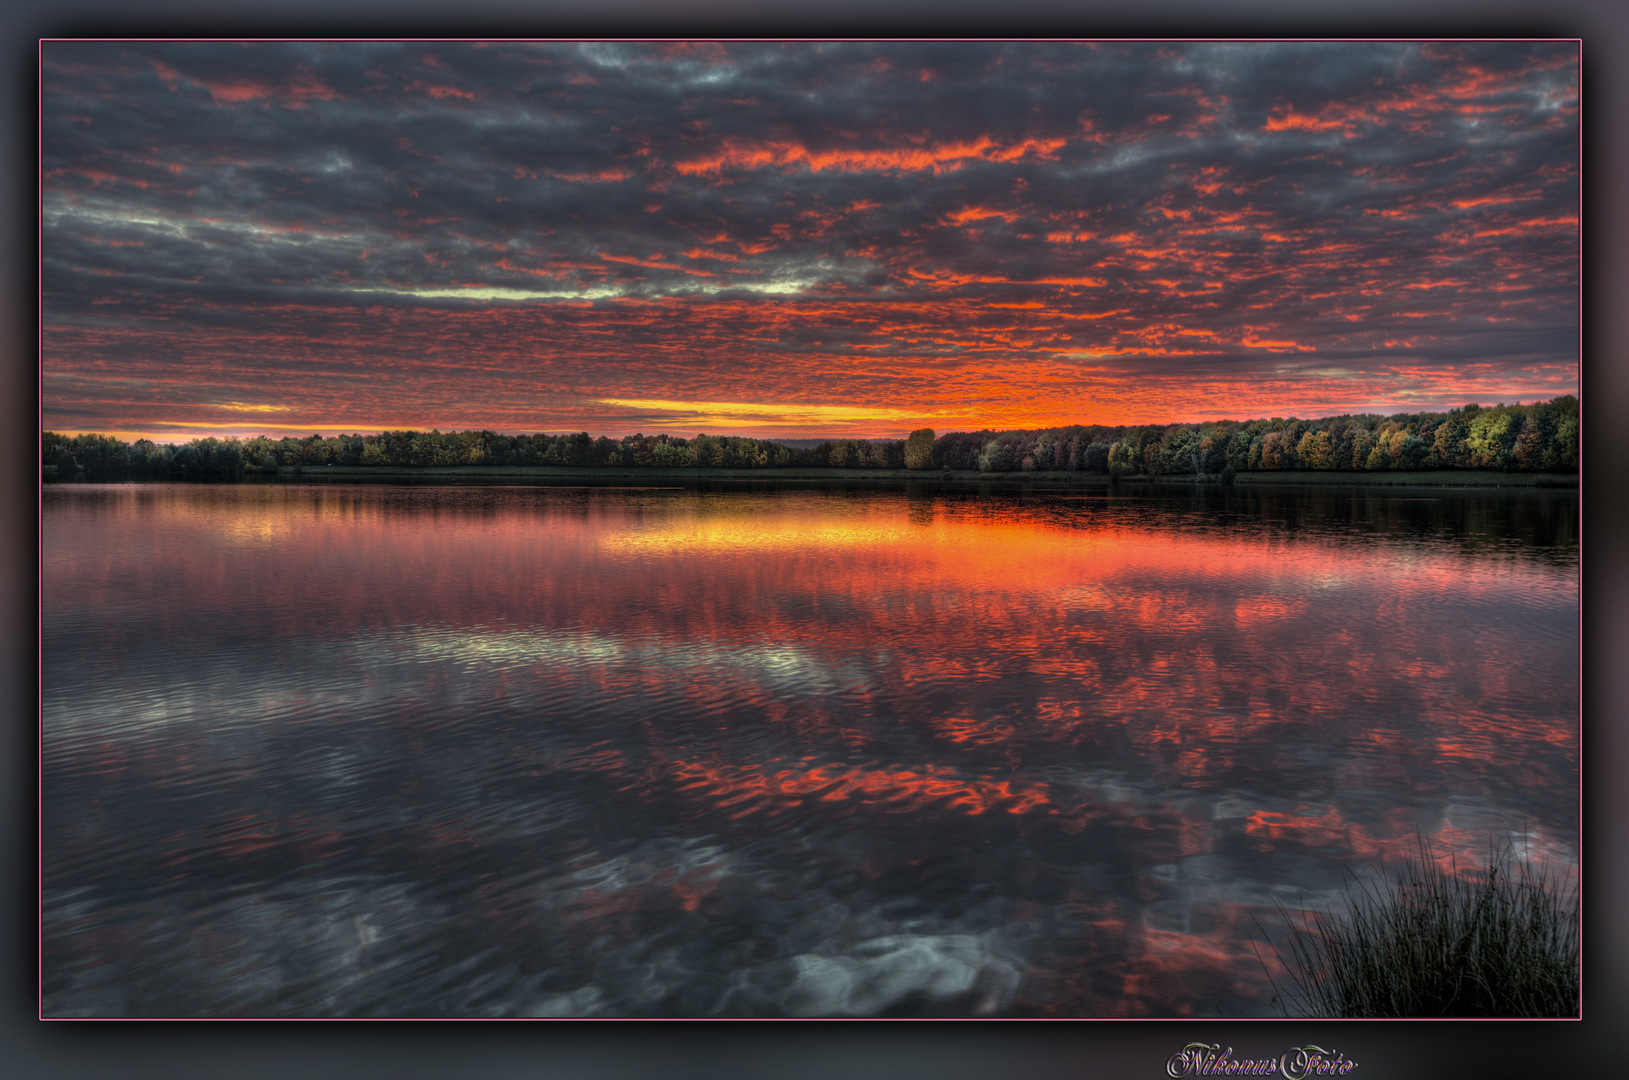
pixel 1544 524
pixel 1529 523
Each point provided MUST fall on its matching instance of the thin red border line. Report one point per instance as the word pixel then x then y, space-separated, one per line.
pixel 818 41
pixel 39 528
pixel 39 500
pixel 1402 40
pixel 1579 573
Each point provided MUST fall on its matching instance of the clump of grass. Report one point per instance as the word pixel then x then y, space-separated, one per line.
pixel 1432 943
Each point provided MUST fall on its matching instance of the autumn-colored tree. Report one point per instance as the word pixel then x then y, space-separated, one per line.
pixel 1276 451
pixel 1529 452
pixel 1314 450
pixel 919 449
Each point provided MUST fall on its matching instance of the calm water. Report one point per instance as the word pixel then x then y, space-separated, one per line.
pixel 533 751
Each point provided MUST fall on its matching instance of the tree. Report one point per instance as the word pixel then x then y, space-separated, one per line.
pixel 1448 440
pixel 1530 446
pixel 1314 450
pixel 1120 458
pixel 997 456
pixel 1491 438
pixel 1362 443
pixel 1564 449
pixel 1277 452
pixel 1408 451
pixel 919 449
pixel 1042 453
pixel 670 454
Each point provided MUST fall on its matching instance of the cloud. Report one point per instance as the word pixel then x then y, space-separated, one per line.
pixel 737 414
pixel 501 234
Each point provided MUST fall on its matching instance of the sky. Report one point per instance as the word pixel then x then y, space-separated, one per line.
pixel 799 239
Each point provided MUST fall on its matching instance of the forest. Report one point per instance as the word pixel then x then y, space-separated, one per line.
pixel 1541 437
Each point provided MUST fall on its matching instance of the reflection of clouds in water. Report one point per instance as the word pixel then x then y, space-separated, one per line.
pixel 756 532
pixel 853 961
pixel 694 928
pixel 363 673
pixel 881 974
pixel 302 789
pixel 1245 858
pixel 607 936
pixel 326 951
pixel 585 1001
pixel 896 789
pixel 784 668
pixel 668 860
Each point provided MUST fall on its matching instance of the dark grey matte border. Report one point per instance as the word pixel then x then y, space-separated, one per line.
pixel 883 1050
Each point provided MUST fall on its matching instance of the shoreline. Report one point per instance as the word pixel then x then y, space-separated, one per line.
pixel 1423 478
pixel 544 474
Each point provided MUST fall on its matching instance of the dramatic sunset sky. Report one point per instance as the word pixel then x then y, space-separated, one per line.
pixel 799 239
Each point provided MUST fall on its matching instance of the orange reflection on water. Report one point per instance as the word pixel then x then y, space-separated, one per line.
pixel 1205 705
pixel 1203 640
pixel 1329 829
pixel 730 784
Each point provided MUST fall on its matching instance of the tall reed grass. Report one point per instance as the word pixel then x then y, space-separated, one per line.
pixel 1503 942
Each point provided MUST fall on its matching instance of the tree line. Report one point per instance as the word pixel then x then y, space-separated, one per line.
pixel 1542 437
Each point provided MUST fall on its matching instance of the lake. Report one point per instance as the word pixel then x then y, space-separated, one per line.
pixel 510 751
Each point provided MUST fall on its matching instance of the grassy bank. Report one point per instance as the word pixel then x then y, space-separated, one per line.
pixel 1503 943
pixel 498 473
pixel 1435 478
pixel 659 474
pixel 1442 478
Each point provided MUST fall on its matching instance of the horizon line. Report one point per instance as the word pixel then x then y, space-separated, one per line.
pixel 221 432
